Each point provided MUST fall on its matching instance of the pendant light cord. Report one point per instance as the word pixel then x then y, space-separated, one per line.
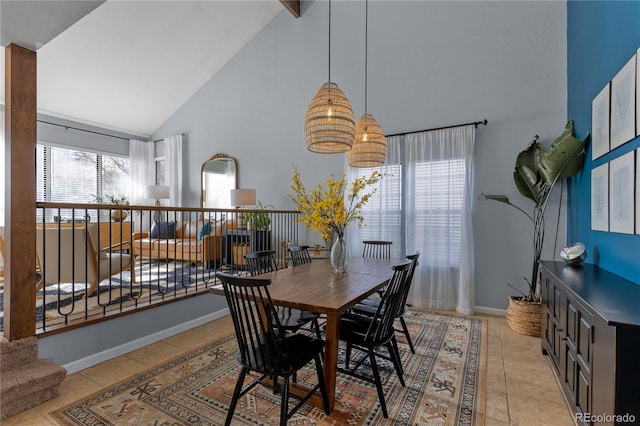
pixel 329 42
pixel 366 46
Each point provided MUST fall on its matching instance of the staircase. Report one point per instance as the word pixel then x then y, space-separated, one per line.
pixel 26 380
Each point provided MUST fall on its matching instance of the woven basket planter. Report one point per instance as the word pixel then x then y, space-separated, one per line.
pixel 524 317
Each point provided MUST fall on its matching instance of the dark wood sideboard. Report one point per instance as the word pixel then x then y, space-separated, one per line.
pixel 591 333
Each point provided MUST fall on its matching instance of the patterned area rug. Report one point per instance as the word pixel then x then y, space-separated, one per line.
pixel 445 382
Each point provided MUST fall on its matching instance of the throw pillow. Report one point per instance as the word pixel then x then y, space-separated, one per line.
pixel 165 230
pixel 205 230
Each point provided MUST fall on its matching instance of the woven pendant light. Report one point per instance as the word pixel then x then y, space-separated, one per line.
pixel 369 146
pixel 329 124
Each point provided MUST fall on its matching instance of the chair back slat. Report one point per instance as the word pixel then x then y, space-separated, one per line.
pixel 299 255
pixel 407 285
pixel 377 249
pixel 261 262
pixel 381 326
pixel 261 338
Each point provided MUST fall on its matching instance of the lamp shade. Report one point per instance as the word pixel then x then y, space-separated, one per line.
pixel 370 146
pixel 243 197
pixel 329 124
pixel 156 192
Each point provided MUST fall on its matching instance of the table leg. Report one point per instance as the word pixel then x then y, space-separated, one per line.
pixel 330 363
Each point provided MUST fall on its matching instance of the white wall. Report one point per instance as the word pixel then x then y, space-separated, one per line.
pixel 430 64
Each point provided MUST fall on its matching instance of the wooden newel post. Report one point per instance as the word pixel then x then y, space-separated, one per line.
pixel 20 195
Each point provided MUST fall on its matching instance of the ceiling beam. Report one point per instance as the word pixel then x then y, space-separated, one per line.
pixel 292 6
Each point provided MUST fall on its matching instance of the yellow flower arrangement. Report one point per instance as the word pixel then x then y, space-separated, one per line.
pixel 324 209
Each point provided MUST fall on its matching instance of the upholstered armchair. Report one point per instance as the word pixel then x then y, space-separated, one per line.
pixel 70 254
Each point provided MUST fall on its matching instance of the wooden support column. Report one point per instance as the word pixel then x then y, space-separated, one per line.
pixel 20 193
pixel 292 6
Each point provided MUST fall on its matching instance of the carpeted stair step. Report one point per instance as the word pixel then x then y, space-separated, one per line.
pixel 17 353
pixel 26 386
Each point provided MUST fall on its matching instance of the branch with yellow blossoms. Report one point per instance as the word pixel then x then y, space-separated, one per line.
pixel 330 208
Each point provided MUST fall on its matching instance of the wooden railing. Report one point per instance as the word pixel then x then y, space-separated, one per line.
pixel 95 262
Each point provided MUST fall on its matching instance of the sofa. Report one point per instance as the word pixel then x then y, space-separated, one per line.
pixel 187 241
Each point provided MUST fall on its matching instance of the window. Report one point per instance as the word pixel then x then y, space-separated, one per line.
pixel 71 176
pixel 383 212
pixel 438 200
pixel 160 174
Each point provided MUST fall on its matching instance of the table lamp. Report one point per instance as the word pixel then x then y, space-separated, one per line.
pixel 157 193
pixel 242 198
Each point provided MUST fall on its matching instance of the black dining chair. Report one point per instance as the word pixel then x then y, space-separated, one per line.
pixel 299 255
pixel 262 262
pixel 370 305
pixel 377 249
pixel 368 333
pixel 265 347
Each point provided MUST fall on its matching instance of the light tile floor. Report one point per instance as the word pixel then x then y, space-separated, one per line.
pixel 520 388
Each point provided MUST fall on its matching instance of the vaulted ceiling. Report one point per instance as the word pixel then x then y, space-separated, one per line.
pixel 129 65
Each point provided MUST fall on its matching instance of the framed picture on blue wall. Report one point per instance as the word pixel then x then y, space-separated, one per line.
pixel 623 104
pixel 638 98
pixel 638 190
pixel 600 198
pixel 600 108
pixel 621 193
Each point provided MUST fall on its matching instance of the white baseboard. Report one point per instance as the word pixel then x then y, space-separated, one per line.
pixel 116 351
pixel 491 311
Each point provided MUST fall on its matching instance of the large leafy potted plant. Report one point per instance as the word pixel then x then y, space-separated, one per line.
pixel 536 174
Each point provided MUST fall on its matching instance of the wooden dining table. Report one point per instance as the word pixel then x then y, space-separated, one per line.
pixel 316 287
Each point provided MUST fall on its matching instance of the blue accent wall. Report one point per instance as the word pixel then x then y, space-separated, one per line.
pixel 601 37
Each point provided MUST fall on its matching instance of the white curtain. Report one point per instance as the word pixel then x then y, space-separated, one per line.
pixel 173 168
pixel 439 182
pixel 141 170
pixel 424 204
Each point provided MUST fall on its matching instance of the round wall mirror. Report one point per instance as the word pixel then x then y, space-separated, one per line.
pixel 218 176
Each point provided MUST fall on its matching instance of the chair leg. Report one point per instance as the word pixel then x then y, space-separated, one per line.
pixel 396 362
pixel 317 327
pixel 236 396
pixel 347 356
pixel 406 333
pixel 284 405
pixel 394 344
pixel 376 376
pixel 323 386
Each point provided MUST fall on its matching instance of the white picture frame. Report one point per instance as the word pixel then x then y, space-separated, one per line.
pixel 623 105
pixel 638 95
pixel 621 193
pixel 638 190
pixel 600 116
pixel 600 198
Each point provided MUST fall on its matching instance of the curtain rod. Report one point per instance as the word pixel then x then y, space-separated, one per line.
pixel 82 130
pixel 160 140
pixel 475 123
pixel 93 131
